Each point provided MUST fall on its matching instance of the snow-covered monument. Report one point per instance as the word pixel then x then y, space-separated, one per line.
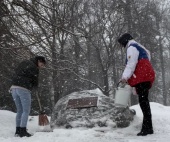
pixel 89 109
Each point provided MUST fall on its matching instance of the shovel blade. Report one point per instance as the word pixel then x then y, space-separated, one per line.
pixel 43 120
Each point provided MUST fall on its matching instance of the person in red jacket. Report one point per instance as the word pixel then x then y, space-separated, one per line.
pixel 140 74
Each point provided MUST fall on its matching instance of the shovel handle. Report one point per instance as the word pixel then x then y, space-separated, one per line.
pixel 39 103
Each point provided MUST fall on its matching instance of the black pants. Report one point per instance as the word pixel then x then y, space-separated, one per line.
pixel 142 90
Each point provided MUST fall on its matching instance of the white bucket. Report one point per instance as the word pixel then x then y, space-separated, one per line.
pixel 122 95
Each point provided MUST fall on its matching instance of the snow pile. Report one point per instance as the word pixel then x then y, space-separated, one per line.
pixel 161 124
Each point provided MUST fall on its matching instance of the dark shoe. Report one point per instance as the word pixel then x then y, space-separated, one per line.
pixel 24 133
pixel 17 133
pixel 145 132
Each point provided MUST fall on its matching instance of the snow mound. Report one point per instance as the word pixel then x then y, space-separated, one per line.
pixel 103 115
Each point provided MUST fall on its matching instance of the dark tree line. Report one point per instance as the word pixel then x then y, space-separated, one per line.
pixel 79 40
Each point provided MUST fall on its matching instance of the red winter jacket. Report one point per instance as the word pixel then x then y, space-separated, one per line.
pixel 143 73
pixel 138 67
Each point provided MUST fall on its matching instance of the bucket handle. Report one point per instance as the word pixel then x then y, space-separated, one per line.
pixel 119 84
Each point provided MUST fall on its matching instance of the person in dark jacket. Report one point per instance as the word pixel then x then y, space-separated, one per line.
pixel 140 74
pixel 24 80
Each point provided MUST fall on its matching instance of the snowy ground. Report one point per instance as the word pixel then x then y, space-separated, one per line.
pixel 161 124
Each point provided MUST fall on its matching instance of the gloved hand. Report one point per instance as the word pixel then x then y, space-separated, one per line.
pixel 123 80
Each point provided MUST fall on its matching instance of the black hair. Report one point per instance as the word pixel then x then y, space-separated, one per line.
pixel 41 59
pixel 123 40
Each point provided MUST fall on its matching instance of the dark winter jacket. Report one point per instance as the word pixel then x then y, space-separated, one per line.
pixel 26 74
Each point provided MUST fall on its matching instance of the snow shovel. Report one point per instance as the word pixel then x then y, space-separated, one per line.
pixel 43 119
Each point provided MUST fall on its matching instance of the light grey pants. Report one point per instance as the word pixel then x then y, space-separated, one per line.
pixel 22 99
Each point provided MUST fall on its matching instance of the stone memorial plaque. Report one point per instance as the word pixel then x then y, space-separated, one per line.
pixel 82 102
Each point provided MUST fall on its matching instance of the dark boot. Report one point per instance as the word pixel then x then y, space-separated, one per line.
pixel 145 132
pixel 24 133
pixel 146 127
pixel 17 133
